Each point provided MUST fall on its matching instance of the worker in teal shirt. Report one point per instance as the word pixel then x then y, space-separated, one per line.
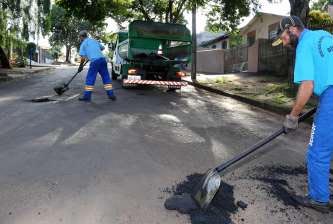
pixel 314 73
pixel 91 50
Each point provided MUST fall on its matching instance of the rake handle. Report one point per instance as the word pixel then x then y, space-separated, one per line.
pixel 73 77
pixel 261 143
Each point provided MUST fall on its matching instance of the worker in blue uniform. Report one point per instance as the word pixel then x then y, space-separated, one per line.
pixel 314 74
pixel 91 50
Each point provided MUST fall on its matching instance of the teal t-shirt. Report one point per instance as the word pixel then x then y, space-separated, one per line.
pixel 314 59
pixel 92 49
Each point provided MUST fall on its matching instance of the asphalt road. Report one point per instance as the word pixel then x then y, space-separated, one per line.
pixel 117 162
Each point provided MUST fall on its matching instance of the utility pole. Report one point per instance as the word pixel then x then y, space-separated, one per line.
pixel 194 43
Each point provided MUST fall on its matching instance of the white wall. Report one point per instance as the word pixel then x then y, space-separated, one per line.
pixel 260 25
pixel 210 61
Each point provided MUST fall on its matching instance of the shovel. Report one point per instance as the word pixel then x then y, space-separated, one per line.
pixel 210 183
pixel 60 89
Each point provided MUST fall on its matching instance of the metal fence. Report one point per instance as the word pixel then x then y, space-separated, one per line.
pixel 276 60
pixel 235 59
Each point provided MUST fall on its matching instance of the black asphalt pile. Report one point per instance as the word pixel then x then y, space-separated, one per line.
pixel 41 100
pixel 220 210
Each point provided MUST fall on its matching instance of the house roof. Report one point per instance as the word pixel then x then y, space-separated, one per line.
pixel 215 40
pixel 206 36
pixel 258 15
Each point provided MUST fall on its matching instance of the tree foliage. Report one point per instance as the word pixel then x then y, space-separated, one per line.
pixel 225 15
pixel 56 52
pixel 318 19
pixel 125 11
pixel 17 24
pixel 320 5
pixel 96 11
pixel 64 29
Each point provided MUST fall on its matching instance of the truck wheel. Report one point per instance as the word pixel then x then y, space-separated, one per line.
pixel 114 75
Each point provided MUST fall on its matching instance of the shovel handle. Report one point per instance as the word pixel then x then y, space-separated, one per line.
pixel 75 75
pixel 261 143
pixel 308 114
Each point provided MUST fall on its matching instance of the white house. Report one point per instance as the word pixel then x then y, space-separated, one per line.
pixel 220 42
pixel 261 26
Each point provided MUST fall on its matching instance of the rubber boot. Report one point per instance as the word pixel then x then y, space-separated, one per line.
pixel 111 95
pixel 306 201
pixel 86 97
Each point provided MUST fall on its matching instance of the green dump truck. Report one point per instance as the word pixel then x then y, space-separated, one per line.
pixel 151 53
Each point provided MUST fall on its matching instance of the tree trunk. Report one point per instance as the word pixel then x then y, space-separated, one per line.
pixel 300 8
pixel 4 59
pixel 68 53
pixel 170 10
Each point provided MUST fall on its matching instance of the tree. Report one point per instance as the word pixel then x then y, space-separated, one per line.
pixel 300 8
pixel 14 32
pixel 318 19
pixel 320 5
pixel 225 15
pixel 65 28
pixel 96 11
pixel 122 10
pixel 56 52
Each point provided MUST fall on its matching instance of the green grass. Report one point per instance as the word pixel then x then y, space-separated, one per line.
pixel 220 80
pixel 280 99
pixel 277 88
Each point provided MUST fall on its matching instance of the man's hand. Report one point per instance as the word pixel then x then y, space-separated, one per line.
pixel 81 65
pixel 290 123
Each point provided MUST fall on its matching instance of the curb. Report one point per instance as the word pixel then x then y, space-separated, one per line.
pixel 18 75
pixel 262 105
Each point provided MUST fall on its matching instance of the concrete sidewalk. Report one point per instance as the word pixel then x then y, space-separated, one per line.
pixel 19 73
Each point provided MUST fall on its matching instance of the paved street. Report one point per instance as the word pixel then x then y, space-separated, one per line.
pixel 117 162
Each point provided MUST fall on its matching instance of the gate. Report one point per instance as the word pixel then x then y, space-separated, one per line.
pixel 235 59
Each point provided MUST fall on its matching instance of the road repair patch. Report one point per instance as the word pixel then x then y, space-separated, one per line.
pixel 265 189
pixel 219 211
pixel 53 98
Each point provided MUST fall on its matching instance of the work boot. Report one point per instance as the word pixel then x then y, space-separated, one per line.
pixel 82 98
pixel 86 97
pixel 112 97
pixel 306 201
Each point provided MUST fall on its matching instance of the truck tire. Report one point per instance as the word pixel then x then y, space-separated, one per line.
pixel 113 75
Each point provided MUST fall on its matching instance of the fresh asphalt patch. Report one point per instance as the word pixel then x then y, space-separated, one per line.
pixel 53 98
pixel 218 212
pixel 275 184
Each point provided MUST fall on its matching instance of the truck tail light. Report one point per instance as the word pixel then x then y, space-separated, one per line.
pixel 132 71
pixel 180 74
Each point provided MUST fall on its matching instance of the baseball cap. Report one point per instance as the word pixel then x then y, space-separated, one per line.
pixel 284 24
pixel 83 33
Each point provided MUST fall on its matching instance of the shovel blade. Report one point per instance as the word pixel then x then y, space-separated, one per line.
pixel 60 89
pixel 207 188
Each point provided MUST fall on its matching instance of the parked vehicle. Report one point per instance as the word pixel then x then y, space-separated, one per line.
pixel 151 53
